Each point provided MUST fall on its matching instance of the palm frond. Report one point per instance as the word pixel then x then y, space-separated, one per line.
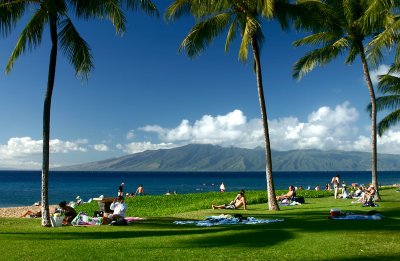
pixel 145 5
pixel 390 120
pixel 318 57
pixel 389 84
pixel 388 102
pixel 10 13
pixel 321 38
pixel 354 51
pixel 75 48
pixel 231 33
pixel 30 37
pixel 251 31
pixel 202 34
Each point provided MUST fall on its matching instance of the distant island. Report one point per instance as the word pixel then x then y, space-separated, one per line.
pixel 203 157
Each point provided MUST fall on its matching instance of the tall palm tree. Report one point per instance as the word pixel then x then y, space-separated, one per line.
pixel 57 15
pixel 239 16
pixel 337 27
pixel 389 86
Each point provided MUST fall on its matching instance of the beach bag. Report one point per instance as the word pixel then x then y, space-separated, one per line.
pixel 300 200
pixel 119 222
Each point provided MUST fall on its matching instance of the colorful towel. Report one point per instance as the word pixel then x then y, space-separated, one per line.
pixel 82 219
pixel 227 220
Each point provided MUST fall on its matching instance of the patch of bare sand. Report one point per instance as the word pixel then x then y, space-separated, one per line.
pixel 14 212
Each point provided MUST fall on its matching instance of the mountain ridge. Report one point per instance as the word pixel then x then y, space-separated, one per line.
pixel 206 157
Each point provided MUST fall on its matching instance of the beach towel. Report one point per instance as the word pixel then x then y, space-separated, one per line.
pixel 339 215
pixel 226 220
pixel 133 219
pixel 82 219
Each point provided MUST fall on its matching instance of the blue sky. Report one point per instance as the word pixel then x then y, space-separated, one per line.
pixel 143 94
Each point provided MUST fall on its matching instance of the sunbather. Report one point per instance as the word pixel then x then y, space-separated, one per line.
pixel 240 200
pixel 32 214
pixel 291 193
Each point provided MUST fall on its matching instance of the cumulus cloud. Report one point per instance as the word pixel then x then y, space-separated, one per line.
pixel 381 70
pixel 100 147
pixel 136 147
pixel 25 152
pixel 27 146
pixel 324 128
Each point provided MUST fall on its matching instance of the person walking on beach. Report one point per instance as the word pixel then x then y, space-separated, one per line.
pixel 335 182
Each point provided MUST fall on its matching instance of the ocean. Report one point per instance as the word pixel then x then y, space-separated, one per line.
pixel 22 188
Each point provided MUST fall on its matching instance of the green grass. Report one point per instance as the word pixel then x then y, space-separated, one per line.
pixel 306 233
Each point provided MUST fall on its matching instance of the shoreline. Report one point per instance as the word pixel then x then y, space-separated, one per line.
pixel 16 212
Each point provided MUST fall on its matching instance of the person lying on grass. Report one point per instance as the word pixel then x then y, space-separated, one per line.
pixel 240 200
pixel 32 214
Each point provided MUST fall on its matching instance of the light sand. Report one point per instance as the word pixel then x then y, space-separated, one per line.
pixel 18 211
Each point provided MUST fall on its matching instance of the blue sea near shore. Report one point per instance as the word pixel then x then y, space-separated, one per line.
pixel 22 188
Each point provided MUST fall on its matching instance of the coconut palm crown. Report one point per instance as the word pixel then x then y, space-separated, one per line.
pixel 57 16
pixel 338 27
pixel 236 18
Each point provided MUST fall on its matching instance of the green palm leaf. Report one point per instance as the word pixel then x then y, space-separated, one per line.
pixel 75 48
pixel 30 37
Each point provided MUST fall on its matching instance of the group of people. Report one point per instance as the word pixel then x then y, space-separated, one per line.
pixel 364 194
pixel 139 191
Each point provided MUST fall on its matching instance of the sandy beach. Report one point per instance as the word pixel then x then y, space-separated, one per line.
pixel 18 211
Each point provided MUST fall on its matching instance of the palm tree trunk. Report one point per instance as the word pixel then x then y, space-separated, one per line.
pixel 373 119
pixel 46 122
pixel 272 203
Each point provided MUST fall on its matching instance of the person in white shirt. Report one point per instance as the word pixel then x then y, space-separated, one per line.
pixel 119 207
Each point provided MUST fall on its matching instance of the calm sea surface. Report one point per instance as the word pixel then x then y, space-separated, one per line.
pixel 22 188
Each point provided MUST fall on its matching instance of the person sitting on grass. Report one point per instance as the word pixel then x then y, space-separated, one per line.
pixel 68 212
pixel 240 200
pixel 369 194
pixel 119 207
pixel 291 193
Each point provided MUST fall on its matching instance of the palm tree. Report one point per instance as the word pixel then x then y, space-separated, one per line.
pixel 389 86
pixel 241 16
pixel 339 26
pixel 63 34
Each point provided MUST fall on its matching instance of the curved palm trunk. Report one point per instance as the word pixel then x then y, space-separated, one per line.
pixel 272 203
pixel 46 123
pixel 373 119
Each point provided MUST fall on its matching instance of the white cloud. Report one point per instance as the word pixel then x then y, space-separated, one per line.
pixel 382 69
pixel 26 146
pixel 326 128
pixel 136 147
pixel 100 147
pixel 130 135
pixel 25 153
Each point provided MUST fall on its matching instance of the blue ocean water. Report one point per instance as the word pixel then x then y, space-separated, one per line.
pixel 22 188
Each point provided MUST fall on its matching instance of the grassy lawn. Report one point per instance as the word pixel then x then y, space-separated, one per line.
pixel 305 234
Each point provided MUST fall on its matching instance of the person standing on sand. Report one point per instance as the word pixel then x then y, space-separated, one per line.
pixel 121 189
pixel 335 182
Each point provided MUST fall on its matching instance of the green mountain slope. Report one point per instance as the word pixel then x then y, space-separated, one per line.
pixel 196 157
